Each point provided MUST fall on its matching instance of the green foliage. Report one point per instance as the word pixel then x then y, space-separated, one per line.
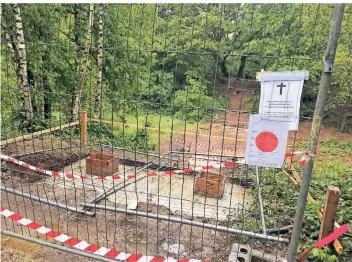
pixel 192 102
pixel 134 140
pixel 322 255
pixel 159 55
pixel 157 95
pixel 251 104
pixel 280 197
pixel 333 147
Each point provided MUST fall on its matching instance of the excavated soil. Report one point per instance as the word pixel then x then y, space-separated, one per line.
pixel 48 161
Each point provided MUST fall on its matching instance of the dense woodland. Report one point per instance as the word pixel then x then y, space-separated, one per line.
pixel 114 60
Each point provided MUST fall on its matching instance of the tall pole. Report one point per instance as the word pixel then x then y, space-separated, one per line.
pixel 314 134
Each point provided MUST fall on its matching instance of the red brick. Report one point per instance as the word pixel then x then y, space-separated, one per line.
pixel 210 184
pixel 102 164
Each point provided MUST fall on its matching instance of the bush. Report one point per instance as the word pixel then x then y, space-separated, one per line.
pixel 134 140
pixel 158 93
pixel 192 102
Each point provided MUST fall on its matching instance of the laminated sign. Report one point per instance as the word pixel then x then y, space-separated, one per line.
pixel 266 141
pixel 281 95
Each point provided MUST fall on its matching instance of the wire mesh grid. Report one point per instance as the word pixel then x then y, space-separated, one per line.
pixel 171 99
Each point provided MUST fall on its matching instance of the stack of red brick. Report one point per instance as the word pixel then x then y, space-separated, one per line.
pixel 209 184
pixel 102 164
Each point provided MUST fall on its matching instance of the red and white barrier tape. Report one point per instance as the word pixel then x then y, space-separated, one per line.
pixel 205 145
pixel 233 122
pixel 210 152
pixel 83 245
pixel 219 126
pixel 302 161
pixel 213 135
pixel 230 122
pixel 230 116
pixel 115 177
pixel 207 134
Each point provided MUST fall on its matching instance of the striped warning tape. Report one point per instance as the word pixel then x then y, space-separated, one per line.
pixel 219 126
pixel 232 122
pixel 205 145
pixel 230 116
pixel 215 135
pixel 207 134
pixel 210 152
pixel 85 246
pixel 210 158
pixel 114 177
pixel 302 161
pixel 197 133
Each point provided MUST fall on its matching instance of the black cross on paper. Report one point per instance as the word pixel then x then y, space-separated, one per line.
pixel 281 86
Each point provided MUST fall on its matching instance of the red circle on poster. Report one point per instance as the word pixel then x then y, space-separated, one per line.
pixel 266 142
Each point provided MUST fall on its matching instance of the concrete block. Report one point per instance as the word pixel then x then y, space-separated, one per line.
pixel 243 253
pixel 240 253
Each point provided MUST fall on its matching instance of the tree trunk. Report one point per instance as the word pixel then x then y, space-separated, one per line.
pixel 240 73
pixel 77 32
pixel 22 64
pixel 345 114
pixel 46 87
pixel 223 68
pixel 10 42
pixel 99 60
pixel 47 100
pixel 35 97
pixel 83 67
pixel 18 53
pixel 343 121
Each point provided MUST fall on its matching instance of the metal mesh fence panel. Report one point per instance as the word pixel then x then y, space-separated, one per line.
pixel 134 148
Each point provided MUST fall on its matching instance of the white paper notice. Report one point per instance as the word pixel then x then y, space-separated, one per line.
pixel 280 97
pixel 266 142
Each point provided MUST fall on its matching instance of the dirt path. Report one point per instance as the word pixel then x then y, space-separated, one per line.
pixel 17 250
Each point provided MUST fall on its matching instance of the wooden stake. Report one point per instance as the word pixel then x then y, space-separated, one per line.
pixel 83 127
pixel 331 203
pixel 337 245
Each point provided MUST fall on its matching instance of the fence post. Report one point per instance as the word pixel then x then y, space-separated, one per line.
pixel 331 203
pixel 314 135
pixel 83 127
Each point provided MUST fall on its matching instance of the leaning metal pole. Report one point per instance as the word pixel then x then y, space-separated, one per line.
pixel 46 201
pixel 186 221
pixel 260 201
pixel 314 135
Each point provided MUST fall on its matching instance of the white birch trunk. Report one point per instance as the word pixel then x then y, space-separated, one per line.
pixel 83 67
pixel 99 61
pixel 22 64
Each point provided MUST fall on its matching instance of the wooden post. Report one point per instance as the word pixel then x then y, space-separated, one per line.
pixel 337 245
pixel 83 127
pixel 331 203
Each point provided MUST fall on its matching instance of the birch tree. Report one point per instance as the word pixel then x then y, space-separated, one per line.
pixel 18 51
pixel 99 60
pixel 83 66
pixel 22 64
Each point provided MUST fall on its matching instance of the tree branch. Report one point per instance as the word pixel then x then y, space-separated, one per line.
pixel 70 38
